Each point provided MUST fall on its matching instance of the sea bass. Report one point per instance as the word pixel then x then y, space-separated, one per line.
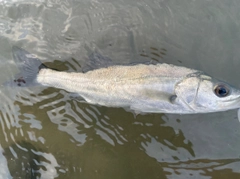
pixel 160 88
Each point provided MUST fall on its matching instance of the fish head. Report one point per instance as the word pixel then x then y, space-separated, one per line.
pixel 202 93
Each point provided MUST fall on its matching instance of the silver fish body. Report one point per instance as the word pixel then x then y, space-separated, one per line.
pixel 160 88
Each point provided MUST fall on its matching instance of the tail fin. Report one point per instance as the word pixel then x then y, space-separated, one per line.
pixel 29 67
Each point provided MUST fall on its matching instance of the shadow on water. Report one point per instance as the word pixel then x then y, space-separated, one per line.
pixel 107 141
pixel 22 160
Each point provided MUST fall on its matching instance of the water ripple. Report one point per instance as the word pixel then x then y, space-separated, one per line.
pixel 47 133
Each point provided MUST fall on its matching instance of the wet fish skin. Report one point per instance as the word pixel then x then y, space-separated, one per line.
pixel 160 88
pixel 144 88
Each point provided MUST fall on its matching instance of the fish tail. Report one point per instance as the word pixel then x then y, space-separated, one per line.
pixel 29 67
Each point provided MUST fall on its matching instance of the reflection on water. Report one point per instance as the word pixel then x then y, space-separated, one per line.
pixel 47 133
pixel 52 135
pixel 25 161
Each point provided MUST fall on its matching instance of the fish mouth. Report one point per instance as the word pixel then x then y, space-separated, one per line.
pixel 234 99
pixel 235 102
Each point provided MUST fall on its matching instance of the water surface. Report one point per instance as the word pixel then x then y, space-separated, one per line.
pixel 47 134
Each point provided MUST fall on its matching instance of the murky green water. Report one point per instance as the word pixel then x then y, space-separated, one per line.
pixel 47 134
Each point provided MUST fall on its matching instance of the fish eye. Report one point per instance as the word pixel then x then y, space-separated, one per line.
pixel 221 90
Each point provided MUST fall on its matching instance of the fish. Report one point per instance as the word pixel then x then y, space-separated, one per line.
pixel 143 88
